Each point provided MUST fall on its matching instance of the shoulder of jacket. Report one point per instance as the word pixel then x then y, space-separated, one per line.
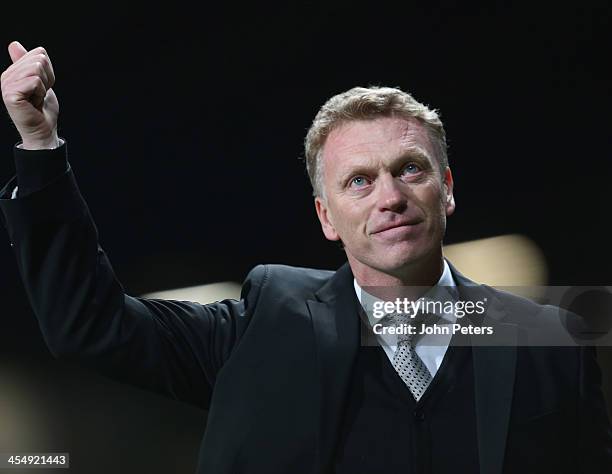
pixel 532 314
pixel 516 302
pixel 287 278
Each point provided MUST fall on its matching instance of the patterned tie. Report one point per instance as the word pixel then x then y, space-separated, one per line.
pixel 406 361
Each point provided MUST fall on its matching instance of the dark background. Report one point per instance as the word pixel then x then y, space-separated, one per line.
pixel 185 127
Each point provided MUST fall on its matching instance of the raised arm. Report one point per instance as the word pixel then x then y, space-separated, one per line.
pixel 172 347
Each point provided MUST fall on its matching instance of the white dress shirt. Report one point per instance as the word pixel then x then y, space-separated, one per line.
pixel 430 348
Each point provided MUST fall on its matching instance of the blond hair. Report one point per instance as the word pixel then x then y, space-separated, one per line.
pixel 367 103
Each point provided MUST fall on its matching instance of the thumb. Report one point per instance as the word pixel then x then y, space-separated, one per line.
pixel 16 51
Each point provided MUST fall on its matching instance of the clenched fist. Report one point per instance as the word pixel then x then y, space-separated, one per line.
pixel 28 97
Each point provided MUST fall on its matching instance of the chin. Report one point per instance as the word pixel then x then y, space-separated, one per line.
pixel 395 259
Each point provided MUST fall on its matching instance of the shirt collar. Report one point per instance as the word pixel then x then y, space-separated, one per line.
pixel 444 290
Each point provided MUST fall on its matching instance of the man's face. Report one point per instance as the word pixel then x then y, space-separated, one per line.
pixel 385 197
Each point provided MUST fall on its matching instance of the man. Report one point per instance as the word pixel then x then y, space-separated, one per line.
pixel 288 385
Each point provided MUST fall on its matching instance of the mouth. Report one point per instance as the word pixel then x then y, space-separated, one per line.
pixel 397 227
pixel 405 231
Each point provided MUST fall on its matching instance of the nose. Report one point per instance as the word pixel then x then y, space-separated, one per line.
pixel 390 194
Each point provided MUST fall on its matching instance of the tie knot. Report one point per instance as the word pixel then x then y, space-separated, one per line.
pixel 411 325
pixel 416 319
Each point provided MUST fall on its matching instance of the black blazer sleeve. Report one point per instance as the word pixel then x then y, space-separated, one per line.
pixel 595 431
pixel 175 348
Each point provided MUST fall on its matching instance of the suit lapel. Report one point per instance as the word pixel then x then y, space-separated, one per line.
pixel 494 374
pixel 335 322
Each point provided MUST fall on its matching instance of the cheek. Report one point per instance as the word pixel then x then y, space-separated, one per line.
pixel 436 208
pixel 353 224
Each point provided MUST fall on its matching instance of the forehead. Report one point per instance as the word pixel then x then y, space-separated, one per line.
pixel 378 140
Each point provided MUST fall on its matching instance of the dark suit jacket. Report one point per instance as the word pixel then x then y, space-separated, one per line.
pixel 273 367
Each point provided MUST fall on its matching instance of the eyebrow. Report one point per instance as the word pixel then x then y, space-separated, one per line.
pixel 414 153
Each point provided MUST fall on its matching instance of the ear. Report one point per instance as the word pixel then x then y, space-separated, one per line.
pixel 325 219
pixel 449 199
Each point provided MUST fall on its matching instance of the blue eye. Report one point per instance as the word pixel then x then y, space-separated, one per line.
pixel 358 181
pixel 412 168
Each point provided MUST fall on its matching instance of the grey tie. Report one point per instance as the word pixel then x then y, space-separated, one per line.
pixel 407 362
